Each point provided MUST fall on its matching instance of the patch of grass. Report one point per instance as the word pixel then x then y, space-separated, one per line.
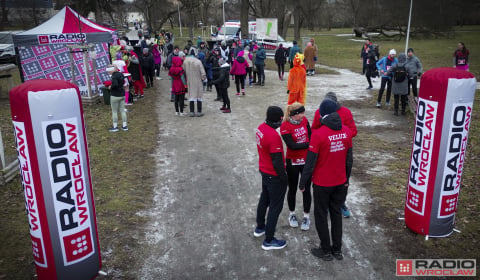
pixel 344 51
pixel 122 171
pixel 388 193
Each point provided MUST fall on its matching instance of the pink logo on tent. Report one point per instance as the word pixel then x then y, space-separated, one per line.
pixel 43 39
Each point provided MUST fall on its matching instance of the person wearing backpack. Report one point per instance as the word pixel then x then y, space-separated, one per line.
pixel 400 72
pixel 383 65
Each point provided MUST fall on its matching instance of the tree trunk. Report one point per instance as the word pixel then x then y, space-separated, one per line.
pixel 285 22
pixel 297 23
pixel 4 14
pixel 244 17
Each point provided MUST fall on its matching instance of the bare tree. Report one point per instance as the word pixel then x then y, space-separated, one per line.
pixel 244 9
pixel 4 13
pixel 150 9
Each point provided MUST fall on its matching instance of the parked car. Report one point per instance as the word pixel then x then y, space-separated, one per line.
pixel 7 49
pixel 7 54
pixel 271 45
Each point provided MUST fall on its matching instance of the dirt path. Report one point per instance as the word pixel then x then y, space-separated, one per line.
pixel 208 185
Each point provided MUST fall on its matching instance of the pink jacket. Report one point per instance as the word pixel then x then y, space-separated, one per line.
pixel 239 66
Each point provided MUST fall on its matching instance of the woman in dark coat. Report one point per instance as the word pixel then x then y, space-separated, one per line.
pixel 281 55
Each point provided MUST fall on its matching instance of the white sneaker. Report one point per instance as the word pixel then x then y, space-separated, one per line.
pixel 293 221
pixel 177 113
pixel 305 224
pixel 182 114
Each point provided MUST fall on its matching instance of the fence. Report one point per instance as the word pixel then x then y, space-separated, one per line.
pixel 9 170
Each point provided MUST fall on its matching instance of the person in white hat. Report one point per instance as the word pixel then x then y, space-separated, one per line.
pixel 383 65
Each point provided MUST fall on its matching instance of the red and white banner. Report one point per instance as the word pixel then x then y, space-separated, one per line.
pixel 444 113
pixel 50 136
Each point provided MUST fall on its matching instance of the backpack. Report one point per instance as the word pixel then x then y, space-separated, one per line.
pixel 400 74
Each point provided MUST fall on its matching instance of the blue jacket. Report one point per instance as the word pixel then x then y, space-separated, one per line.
pixel 293 51
pixel 260 57
pixel 384 64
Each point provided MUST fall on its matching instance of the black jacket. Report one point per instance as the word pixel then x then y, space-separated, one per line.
pixel 281 56
pixel 148 63
pixel 117 84
pixel 223 79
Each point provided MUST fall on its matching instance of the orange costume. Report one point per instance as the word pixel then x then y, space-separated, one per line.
pixel 297 81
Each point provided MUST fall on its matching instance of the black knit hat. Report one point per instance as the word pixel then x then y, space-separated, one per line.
pixel 327 107
pixel 297 111
pixel 274 114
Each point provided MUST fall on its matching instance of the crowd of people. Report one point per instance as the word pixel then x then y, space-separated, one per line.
pixel 318 157
pixel 400 75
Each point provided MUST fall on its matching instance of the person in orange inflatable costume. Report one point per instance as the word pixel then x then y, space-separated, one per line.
pixel 297 81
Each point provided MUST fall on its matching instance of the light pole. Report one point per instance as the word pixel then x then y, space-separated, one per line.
pixel 408 27
pixel 223 8
pixel 179 19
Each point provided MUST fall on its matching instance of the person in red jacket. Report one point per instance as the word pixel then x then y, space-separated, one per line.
pixel 178 84
pixel 344 112
pixel 239 69
pixel 347 120
pixel 295 131
pixel 460 57
pixel 329 164
pixel 271 163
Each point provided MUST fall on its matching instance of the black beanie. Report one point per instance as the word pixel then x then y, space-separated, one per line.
pixel 274 114
pixel 327 107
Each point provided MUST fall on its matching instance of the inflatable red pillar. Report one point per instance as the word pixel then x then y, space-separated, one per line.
pixel 444 113
pixel 52 149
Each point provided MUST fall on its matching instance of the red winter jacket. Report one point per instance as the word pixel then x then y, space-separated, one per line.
pixel 345 115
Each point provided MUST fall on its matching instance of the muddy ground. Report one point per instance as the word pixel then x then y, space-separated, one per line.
pixel 207 187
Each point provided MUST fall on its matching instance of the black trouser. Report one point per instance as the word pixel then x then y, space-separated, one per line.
pixel 404 100
pixel 224 93
pixel 369 74
pixel 281 70
pixel 293 173
pixel 249 72
pixel 148 74
pixel 240 82
pixel 329 199
pixel 219 94
pixel 157 70
pixel 192 106
pixel 179 102
pixel 388 83
pixel 261 73
pixel 271 198
pixel 413 84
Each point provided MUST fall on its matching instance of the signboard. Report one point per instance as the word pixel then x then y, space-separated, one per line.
pixel 267 28
pixel 50 138
pixel 444 113
pixel 52 61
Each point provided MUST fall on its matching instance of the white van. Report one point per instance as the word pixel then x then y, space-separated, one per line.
pixel 7 49
pixel 231 30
